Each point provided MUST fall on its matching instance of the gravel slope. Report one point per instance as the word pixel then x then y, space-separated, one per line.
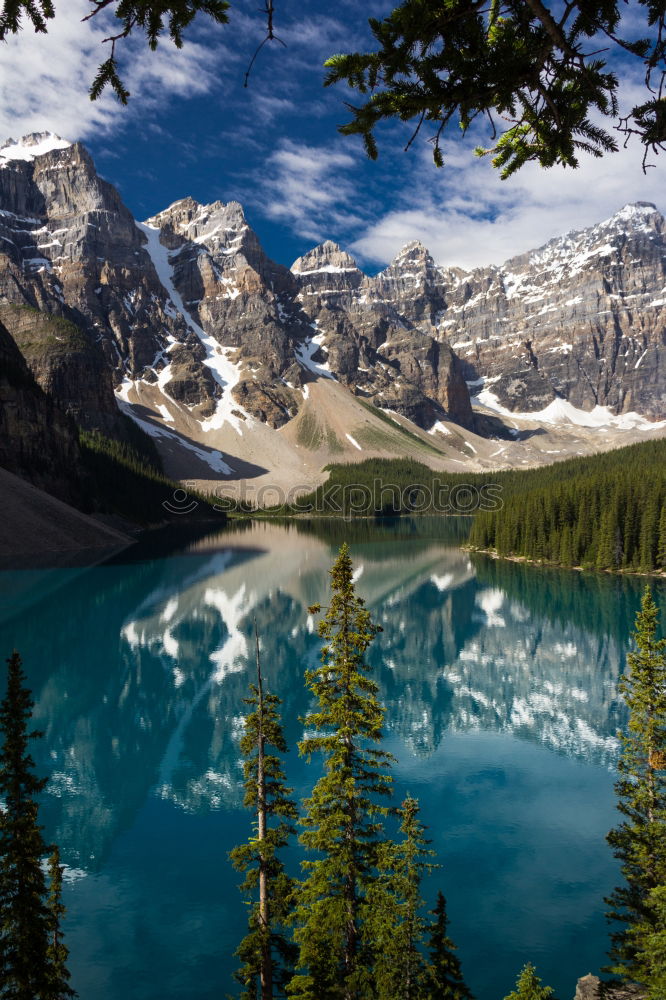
pixel 35 527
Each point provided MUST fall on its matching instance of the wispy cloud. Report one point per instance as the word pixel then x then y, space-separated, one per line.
pixel 44 78
pixel 468 217
pixel 310 189
pixel 274 146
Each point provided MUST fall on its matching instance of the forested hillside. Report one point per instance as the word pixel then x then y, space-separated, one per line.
pixel 603 512
pixel 607 512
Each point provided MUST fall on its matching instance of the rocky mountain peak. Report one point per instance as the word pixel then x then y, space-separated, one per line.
pixel 636 211
pixel 32 145
pixel 184 208
pixel 413 280
pixel 218 227
pixel 327 257
pixel 413 252
pixel 187 316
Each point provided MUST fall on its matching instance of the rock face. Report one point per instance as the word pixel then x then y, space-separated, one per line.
pixel 583 318
pixel 71 250
pixel 591 988
pixel 175 300
pixel 37 529
pixel 588 988
pixel 188 306
pixel 37 441
pixel 380 334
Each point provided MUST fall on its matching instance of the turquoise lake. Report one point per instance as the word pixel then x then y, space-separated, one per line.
pixel 500 682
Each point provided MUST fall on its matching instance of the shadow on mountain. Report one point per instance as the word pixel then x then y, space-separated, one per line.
pixel 493 427
pixel 202 460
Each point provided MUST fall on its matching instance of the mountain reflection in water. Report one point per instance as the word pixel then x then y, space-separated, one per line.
pixel 139 670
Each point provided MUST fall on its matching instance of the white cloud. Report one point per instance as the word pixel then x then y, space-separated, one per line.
pixel 309 189
pixel 44 78
pixel 468 217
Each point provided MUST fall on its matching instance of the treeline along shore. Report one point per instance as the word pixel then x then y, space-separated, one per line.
pixel 604 512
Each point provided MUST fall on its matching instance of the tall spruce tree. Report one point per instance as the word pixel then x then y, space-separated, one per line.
pixel 649 938
pixel 444 974
pixel 344 813
pixel 639 842
pixel 395 923
pixel 528 986
pixel 661 541
pixel 57 953
pixel 25 972
pixel 267 955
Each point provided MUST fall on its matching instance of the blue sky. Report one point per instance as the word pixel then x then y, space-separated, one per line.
pixel 192 129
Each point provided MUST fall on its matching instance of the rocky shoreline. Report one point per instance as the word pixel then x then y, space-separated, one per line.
pixel 590 987
pixel 493 554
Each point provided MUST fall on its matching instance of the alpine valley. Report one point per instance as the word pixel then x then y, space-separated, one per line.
pixel 243 370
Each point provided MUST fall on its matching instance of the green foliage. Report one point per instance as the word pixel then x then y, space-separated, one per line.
pixel 37 11
pixel 267 795
pixel 639 842
pixel 528 986
pixel 57 952
pixel 125 478
pixel 120 481
pixel 39 333
pixel 649 940
pixel 444 975
pixel 24 914
pixel 343 814
pixel 152 18
pixel 530 64
pixel 310 433
pixel 388 487
pixel 397 429
pixel 136 441
pixel 395 925
pixel 604 512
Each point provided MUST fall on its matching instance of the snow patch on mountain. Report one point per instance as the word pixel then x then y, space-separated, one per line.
pixel 225 372
pixel 305 353
pixel 213 459
pixel 561 411
pixel 30 146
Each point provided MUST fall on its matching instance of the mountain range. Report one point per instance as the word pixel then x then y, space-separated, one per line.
pixel 245 371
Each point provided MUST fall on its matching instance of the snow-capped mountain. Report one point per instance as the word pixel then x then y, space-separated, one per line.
pixel 239 366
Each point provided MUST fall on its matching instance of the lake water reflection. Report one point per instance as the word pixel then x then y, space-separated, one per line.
pixel 500 684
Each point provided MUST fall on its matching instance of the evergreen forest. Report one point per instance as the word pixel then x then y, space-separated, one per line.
pixel 606 511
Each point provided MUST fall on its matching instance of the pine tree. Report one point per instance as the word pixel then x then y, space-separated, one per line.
pixel 609 547
pixel 267 955
pixel 24 915
pixel 649 939
pixel 444 974
pixel 640 840
pixel 395 925
pixel 661 545
pixel 528 986
pixel 649 534
pixel 566 547
pixel 59 988
pixel 344 815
